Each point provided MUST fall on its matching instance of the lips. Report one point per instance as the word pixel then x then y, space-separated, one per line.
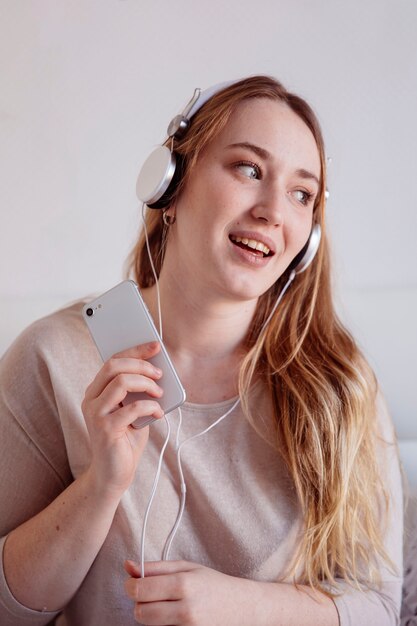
pixel 253 243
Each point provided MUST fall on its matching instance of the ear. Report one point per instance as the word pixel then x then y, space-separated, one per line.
pixel 169 215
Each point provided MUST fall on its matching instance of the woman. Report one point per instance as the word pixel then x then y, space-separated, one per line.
pixel 294 499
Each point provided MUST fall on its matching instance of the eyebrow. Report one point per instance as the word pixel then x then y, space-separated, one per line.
pixel 264 154
pixel 309 175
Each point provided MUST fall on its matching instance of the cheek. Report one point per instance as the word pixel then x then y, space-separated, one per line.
pixel 195 227
pixel 295 240
pixel 302 241
pixel 301 230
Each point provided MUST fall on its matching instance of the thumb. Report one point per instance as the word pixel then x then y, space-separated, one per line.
pixel 132 569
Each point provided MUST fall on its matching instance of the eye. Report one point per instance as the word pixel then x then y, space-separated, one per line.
pixel 302 196
pixel 251 170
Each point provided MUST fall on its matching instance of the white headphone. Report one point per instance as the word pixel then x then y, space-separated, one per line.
pixel 159 169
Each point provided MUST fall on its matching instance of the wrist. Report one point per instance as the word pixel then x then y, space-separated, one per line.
pixel 282 603
pixel 100 490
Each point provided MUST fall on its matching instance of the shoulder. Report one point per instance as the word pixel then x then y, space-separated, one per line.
pixel 54 355
pixel 383 416
pixel 59 326
pixel 53 337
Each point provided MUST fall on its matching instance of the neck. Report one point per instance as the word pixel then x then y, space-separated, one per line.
pixel 204 336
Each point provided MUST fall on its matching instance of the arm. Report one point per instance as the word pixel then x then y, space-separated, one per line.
pixel 57 547
pixel 49 550
pixel 284 604
pixel 187 594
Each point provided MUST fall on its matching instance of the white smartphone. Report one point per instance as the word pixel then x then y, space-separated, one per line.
pixel 119 319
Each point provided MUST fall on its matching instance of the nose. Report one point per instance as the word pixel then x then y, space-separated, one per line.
pixel 269 206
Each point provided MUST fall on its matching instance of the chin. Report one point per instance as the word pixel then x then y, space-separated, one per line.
pixel 245 292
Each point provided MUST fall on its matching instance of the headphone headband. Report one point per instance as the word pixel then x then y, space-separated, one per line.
pixel 208 93
pixel 180 122
pixel 159 168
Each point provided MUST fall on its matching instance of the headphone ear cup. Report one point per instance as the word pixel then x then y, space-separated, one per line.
pixel 166 199
pixel 159 168
pixel 155 175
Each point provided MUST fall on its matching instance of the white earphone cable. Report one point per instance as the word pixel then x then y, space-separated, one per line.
pixel 153 492
pixel 171 536
pixel 158 295
pixel 170 539
pixel 161 456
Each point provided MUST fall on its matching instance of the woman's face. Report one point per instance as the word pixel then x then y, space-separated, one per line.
pixel 247 208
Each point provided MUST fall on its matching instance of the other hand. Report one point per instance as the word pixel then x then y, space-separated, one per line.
pixel 181 593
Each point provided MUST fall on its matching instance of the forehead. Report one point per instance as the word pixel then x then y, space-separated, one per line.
pixel 274 127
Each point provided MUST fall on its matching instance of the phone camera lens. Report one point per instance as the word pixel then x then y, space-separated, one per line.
pixel 89 312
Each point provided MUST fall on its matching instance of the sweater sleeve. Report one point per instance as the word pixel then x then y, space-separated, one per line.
pixel 33 464
pixel 12 613
pixel 380 605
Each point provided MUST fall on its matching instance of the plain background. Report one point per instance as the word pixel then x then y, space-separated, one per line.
pixel 87 88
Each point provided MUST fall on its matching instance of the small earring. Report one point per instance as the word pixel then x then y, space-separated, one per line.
pixel 168 219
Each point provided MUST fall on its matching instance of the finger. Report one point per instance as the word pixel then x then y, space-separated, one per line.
pixel 125 416
pixel 117 389
pixel 155 588
pixel 156 568
pixel 160 613
pixel 132 568
pixel 143 351
pixel 159 568
pixel 115 366
pixel 164 580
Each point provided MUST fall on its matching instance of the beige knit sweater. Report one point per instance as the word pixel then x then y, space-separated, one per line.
pixel 241 516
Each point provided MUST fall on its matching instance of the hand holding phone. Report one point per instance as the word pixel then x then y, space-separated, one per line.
pixel 115 447
pixel 119 320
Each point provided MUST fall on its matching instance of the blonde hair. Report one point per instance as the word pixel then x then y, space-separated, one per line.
pixel 322 390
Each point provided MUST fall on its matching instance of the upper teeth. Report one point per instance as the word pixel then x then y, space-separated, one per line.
pixel 252 243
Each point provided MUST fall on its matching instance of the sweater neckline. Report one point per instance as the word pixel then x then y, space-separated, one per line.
pixel 222 404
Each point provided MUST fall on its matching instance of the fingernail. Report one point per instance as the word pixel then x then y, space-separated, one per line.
pixel 157 371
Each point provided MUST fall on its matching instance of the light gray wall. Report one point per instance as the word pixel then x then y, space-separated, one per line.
pixel 87 88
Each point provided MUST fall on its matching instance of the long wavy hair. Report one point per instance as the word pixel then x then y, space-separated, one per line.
pixel 322 389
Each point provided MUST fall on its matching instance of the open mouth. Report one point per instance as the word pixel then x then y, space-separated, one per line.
pixel 252 245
